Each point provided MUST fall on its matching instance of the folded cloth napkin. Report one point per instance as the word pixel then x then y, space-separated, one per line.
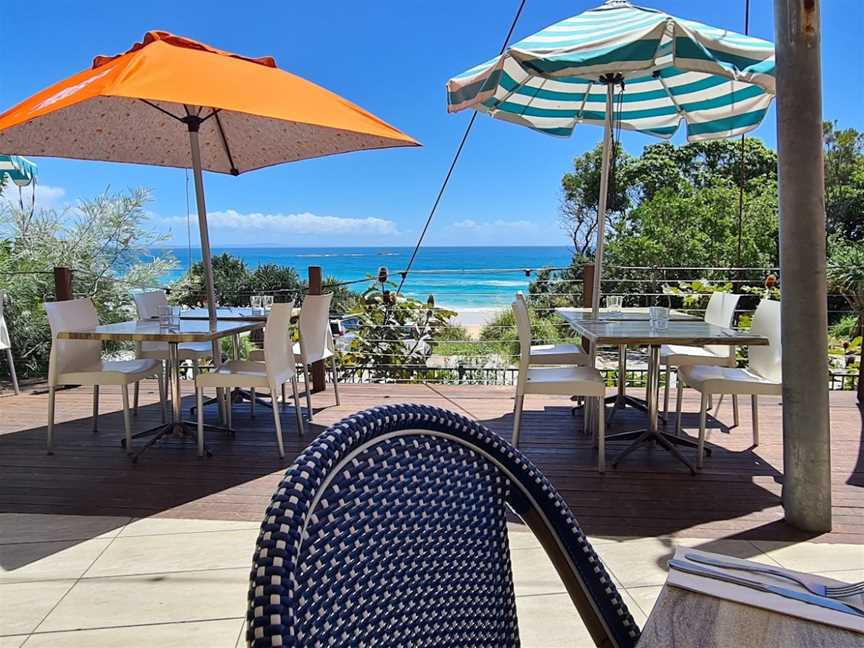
pixel 765 600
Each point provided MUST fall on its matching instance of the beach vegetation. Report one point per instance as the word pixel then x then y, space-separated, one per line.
pixel 107 244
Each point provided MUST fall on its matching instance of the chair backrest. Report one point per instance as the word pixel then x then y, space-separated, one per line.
pixel 72 355
pixel 5 342
pixel 278 345
pixel 147 303
pixel 720 312
pixel 315 326
pixel 523 326
pixel 390 529
pixel 767 360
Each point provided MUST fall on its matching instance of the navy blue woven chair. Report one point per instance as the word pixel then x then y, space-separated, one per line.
pixel 391 530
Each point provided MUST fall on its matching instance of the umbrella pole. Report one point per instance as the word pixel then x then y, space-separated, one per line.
pixel 205 241
pixel 604 192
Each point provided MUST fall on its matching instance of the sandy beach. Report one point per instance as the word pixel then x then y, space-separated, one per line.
pixel 473 319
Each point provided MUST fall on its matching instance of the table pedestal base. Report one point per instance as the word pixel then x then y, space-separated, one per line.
pixel 668 441
pixel 181 430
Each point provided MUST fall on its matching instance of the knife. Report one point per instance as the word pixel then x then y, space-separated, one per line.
pixel 810 599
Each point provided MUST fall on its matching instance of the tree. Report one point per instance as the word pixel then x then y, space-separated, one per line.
pixel 698 227
pixel 231 280
pixel 280 281
pixel 700 165
pixel 106 243
pixel 844 181
pixel 580 198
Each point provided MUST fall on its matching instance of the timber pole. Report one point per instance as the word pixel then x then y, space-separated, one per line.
pixel 806 431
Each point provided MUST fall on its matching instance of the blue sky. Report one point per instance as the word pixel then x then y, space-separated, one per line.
pixel 392 58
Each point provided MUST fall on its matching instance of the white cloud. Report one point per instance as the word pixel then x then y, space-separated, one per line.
pixel 47 196
pixel 303 224
pixel 490 226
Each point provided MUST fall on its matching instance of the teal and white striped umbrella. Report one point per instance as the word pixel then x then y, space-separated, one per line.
pixel 624 66
pixel 20 170
pixel 719 82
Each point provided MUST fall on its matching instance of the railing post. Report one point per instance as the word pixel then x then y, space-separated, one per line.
pixel 861 362
pixel 587 284
pixel 315 288
pixel 62 284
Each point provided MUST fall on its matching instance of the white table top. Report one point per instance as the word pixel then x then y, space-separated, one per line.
pixel 151 331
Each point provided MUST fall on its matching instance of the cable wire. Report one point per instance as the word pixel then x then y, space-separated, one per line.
pixel 455 160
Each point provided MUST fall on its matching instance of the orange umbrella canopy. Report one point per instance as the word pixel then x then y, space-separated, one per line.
pixel 249 113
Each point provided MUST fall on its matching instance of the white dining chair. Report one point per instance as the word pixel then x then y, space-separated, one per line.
pixel 147 305
pixel 720 312
pixel 316 342
pixel 79 362
pixel 278 368
pixel 554 354
pixel 6 345
pixel 560 381
pixel 761 376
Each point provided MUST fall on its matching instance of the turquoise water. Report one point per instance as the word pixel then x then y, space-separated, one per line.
pixel 488 276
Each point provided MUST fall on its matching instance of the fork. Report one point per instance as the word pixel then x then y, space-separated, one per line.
pixel 829 591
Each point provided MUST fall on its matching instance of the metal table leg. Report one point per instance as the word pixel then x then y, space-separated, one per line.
pixel 652 433
pixel 176 427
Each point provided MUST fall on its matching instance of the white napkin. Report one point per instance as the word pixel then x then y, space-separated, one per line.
pixel 765 600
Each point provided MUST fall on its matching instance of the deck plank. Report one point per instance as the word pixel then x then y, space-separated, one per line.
pixel 650 494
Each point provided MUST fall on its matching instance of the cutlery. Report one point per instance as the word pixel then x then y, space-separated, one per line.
pixel 839 591
pixel 810 599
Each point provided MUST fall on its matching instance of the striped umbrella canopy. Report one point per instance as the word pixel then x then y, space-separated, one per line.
pixel 624 66
pixel 19 169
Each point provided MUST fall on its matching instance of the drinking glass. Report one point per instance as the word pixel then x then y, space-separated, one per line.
pixel 255 301
pixel 165 317
pixel 659 317
pixel 175 316
pixel 267 302
pixel 613 303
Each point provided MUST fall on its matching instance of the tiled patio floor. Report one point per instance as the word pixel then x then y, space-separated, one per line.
pixel 108 582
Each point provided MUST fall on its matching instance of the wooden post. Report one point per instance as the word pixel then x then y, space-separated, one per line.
pixel 804 312
pixel 315 288
pixel 587 284
pixel 62 284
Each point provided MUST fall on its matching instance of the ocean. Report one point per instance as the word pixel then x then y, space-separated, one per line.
pixel 484 277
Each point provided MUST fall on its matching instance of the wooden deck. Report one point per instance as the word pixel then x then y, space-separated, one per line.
pixel 650 494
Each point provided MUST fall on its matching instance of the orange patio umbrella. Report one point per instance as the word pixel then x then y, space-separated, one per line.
pixel 172 101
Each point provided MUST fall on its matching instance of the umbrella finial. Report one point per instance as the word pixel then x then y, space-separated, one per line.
pixel 615 4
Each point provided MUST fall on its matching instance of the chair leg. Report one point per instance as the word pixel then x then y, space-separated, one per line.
pixel 252 402
pixel 127 421
pixel 278 423
pixel 308 386
pixel 297 411
pixel 226 404
pixel 284 398
pixel 679 397
pixel 754 405
pixel 12 373
pixel 135 391
pixel 517 418
pixel 335 379
pixel 700 448
pixel 51 398
pixel 710 401
pixel 95 408
pixel 199 393
pixel 666 391
pixel 161 397
pixel 735 420
pixel 601 435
